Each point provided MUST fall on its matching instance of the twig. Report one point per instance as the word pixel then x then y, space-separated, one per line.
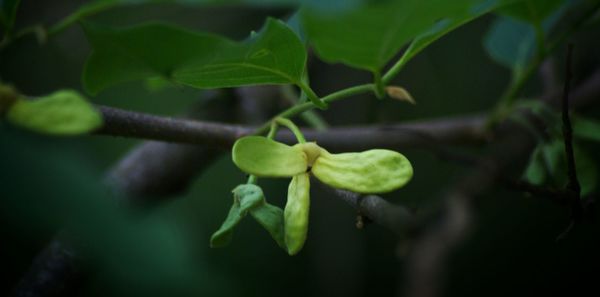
pixel 573 184
pixel 396 218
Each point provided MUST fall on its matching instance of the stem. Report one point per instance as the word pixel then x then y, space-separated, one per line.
pixel 252 179
pixel 310 116
pixel 297 109
pixel 379 85
pixel 273 130
pixel 312 96
pixel 290 125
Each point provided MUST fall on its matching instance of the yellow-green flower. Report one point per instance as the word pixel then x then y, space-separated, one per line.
pixel 373 171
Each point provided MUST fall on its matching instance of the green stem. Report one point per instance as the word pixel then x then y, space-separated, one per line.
pixel 310 116
pixel 290 125
pixel 252 179
pixel 297 109
pixel 273 130
pixel 312 96
pixel 379 85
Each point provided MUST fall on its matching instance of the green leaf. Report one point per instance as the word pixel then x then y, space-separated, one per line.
pixel 64 112
pixel 586 128
pixel 372 171
pixel 445 26
pixel 296 213
pixel 547 165
pixel 369 37
pixel 275 55
pixel 245 197
pixel 8 12
pixel 271 218
pixel 265 157
pixel 511 40
pixel 531 10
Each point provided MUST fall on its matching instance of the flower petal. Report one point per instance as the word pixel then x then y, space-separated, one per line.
pixel 245 197
pixel 296 213
pixel 373 171
pixel 267 158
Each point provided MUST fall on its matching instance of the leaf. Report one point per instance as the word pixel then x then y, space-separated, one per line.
pixel 275 55
pixel 445 26
pixel 586 128
pixel 296 213
pixel 547 165
pixel 8 12
pixel 265 157
pixel 372 171
pixel 271 218
pixel 512 41
pixel 64 112
pixel 245 197
pixel 367 38
pixel 531 10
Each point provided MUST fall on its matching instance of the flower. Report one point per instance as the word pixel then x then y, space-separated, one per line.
pixel 372 171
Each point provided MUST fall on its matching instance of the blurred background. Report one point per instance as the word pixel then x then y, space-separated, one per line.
pixel 58 187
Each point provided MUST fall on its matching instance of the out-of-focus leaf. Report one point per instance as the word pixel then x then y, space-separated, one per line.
pixel 531 10
pixel 586 128
pixel 369 37
pixel 8 12
pixel 547 165
pixel 511 41
pixel 275 55
pixel 265 157
pixel 64 112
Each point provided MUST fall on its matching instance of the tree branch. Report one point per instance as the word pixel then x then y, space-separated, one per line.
pixel 468 130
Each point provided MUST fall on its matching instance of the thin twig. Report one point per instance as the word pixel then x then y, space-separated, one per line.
pixel 573 184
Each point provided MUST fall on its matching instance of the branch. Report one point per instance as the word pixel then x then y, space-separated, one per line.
pixel 573 184
pixel 396 218
pixel 467 130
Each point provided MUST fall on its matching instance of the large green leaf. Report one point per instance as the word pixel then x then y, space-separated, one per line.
pixel 275 55
pixel 64 112
pixel 369 37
